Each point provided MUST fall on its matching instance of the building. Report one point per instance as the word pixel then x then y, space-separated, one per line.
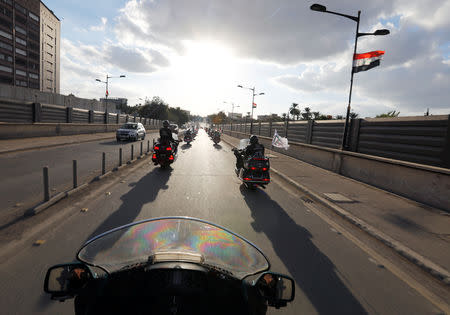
pixel 234 115
pixel 50 46
pixel 21 46
pixel 117 103
pixel 271 117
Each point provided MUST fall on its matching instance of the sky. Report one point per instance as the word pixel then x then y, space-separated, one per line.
pixel 194 53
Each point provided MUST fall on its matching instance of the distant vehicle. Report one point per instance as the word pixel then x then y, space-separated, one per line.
pixel 131 131
pixel 174 128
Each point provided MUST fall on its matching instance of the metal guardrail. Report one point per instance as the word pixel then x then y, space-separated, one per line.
pixel 12 111
pixel 422 139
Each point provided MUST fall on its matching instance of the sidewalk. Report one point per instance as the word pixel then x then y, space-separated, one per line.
pixel 15 145
pixel 422 229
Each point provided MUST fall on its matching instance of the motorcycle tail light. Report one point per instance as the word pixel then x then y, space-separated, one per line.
pixel 266 179
pixel 246 178
pixel 156 148
pixel 264 169
pixel 171 158
pixel 253 168
pixel 154 156
pixel 169 149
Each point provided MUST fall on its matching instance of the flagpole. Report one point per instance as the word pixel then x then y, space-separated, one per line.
pixel 347 116
pixel 253 102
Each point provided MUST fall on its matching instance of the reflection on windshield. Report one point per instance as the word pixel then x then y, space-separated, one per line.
pixel 129 126
pixel 137 242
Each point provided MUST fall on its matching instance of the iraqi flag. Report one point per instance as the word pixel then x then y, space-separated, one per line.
pixel 254 105
pixel 367 61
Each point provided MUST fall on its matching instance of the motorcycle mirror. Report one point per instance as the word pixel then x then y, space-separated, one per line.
pixel 64 281
pixel 277 289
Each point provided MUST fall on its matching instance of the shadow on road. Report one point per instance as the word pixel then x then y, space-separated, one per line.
pixel 313 272
pixel 217 146
pixel 144 191
pixel 186 146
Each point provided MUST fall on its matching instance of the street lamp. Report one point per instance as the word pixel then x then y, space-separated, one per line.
pixel 321 8
pixel 232 109
pixel 253 102
pixel 107 92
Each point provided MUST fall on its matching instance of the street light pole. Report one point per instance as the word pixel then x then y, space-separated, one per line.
pixel 107 91
pixel 253 102
pixel 321 8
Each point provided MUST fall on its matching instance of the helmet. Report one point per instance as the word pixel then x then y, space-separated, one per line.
pixel 253 139
pixel 166 124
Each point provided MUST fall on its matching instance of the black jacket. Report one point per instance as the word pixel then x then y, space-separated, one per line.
pixel 165 135
pixel 253 148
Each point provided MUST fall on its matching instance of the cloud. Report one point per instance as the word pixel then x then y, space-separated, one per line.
pixel 101 27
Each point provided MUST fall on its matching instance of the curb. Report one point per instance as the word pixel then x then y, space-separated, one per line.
pixel 66 194
pixel 417 259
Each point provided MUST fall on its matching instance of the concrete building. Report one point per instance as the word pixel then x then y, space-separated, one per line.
pixel 50 47
pixel 234 115
pixel 117 103
pixel 21 45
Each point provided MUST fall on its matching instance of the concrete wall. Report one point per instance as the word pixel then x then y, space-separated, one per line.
pixel 31 95
pixel 425 184
pixel 15 131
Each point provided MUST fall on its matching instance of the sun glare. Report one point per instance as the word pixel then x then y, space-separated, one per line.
pixel 206 67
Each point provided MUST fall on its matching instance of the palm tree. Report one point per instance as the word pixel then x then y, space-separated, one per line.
pixel 294 111
pixel 307 113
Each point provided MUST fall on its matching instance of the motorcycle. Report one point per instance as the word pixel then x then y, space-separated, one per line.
pixel 255 170
pixel 171 265
pixel 216 138
pixel 187 139
pixel 164 154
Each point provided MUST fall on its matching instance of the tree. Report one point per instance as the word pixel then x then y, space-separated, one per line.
pixel 306 115
pixel 294 111
pixel 353 115
pixel 388 114
pixel 284 116
pixel 339 117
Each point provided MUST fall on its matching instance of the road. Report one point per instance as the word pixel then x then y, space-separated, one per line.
pixel 332 274
pixel 22 184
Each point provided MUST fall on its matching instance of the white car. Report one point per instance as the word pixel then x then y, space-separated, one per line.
pixel 131 131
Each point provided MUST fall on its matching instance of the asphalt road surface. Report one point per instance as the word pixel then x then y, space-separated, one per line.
pixel 22 179
pixel 332 274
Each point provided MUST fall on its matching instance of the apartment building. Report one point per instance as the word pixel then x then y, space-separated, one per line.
pixel 50 46
pixel 22 45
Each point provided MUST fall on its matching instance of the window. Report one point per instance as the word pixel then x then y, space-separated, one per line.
pixel 6 57
pixel 33 76
pixel 21 41
pixel 21 30
pixel 20 72
pixel 33 66
pixel 21 19
pixel 34 85
pixel 34 36
pixel 20 61
pixel 33 46
pixel 6 12
pixel 34 56
pixel 34 26
pixel 7 2
pixel 6 80
pixel 20 8
pixel 21 83
pixel 5 34
pixel 5 23
pixel 5 46
pixel 33 16
pixel 21 51
pixel 5 68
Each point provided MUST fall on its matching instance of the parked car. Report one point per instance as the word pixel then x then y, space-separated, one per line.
pixel 131 131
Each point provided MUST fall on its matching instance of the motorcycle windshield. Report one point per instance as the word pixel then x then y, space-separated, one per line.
pixel 174 239
pixel 243 143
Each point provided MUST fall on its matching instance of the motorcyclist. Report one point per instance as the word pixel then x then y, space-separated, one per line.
pixel 250 150
pixel 165 135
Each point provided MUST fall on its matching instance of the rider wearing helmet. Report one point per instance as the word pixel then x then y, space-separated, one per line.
pixel 250 150
pixel 165 133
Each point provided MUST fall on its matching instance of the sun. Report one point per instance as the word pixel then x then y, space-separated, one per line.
pixel 206 66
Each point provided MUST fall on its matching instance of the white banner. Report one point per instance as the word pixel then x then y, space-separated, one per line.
pixel 279 142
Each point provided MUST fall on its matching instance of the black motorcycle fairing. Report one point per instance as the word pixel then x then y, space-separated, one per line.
pixel 141 290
